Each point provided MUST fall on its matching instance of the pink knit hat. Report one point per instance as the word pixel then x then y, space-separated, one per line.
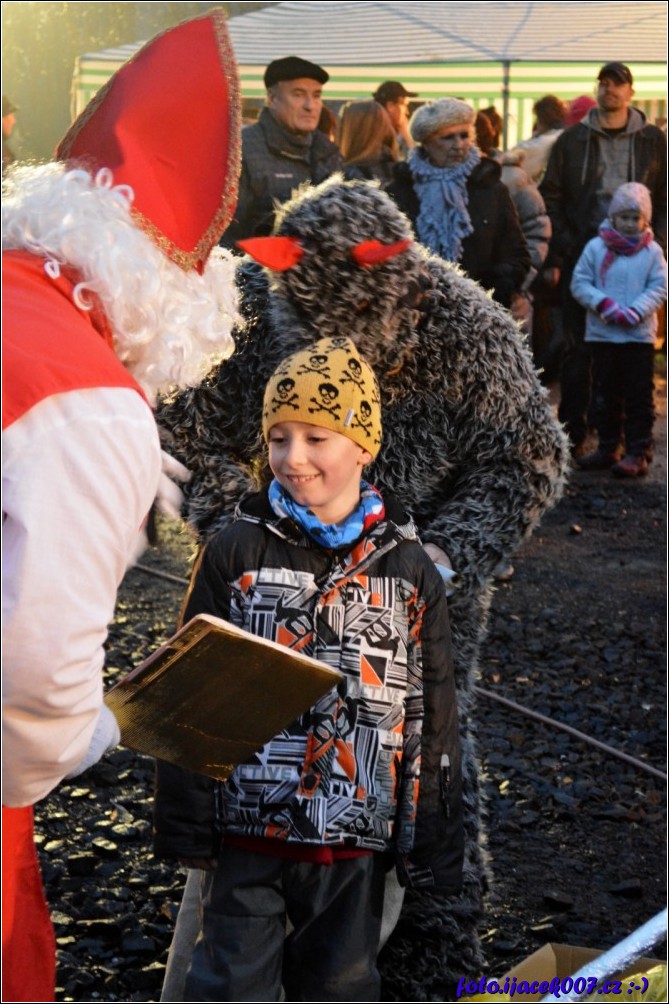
pixel 632 195
pixel 577 109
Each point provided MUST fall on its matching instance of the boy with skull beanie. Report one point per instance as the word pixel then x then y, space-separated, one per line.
pixel 328 385
pixel 369 776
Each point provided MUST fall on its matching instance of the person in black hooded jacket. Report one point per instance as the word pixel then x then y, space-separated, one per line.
pixel 611 145
pixel 456 201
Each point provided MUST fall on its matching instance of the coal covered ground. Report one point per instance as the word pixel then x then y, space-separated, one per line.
pixel 576 837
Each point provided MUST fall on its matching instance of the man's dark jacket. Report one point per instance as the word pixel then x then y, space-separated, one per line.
pixel 274 163
pixel 495 253
pixel 569 186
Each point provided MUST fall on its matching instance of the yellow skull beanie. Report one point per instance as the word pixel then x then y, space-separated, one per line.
pixel 327 385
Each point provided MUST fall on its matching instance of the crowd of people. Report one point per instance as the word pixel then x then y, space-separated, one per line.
pixel 444 168
pixel 379 438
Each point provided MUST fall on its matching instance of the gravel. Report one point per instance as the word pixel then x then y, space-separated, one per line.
pixel 576 837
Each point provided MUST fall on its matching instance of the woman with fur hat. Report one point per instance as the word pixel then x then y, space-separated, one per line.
pixel 456 201
pixel 470 448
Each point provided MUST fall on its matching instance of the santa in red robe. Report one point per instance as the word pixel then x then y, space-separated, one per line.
pixel 112 293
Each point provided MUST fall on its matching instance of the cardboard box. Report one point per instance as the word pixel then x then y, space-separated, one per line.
pixel 564 960
pixel 555 960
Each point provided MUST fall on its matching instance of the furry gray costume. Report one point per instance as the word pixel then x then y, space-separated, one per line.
pixel 470 447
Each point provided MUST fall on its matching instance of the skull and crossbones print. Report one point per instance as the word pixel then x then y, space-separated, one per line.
pixel 339 342
pixel 283 390
pixel 328 395
pixel 354 375
pixel 364 420
pixel 316 364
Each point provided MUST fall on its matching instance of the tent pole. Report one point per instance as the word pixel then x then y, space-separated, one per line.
pixel 506 88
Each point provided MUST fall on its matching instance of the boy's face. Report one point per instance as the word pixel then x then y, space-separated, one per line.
pixel 320 468
pixel 629 222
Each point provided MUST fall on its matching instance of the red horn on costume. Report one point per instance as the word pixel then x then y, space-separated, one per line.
pixel 371 253
pixel 277 253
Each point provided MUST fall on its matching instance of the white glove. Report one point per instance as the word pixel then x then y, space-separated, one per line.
pixel 106 735
pixel 443 565
pixel 169 499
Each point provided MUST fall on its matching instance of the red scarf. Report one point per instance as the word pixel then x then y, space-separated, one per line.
pixel 616 244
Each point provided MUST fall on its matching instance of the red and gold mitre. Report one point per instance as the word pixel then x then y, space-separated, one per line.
pixel 168 125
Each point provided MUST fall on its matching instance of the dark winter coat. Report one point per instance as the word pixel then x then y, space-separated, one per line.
pixel 381 169
pixel 375 764
pixel 275 163
pixel 495 253
pixel 470 445
pixel 569 186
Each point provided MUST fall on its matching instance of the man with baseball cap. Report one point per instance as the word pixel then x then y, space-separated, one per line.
pixel 611 145
pixel 284 148
pixel 394 97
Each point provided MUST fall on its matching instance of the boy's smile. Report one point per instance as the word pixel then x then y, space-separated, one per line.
pixel 319 468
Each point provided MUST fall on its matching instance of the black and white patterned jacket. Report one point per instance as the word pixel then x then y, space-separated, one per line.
pixel 375 764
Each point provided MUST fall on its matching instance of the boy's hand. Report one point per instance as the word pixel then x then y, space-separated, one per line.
pixel 202 864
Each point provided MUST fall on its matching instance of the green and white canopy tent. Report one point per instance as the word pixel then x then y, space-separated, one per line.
pixel 506 54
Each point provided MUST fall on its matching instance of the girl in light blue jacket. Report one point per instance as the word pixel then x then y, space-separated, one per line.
pixel 621 279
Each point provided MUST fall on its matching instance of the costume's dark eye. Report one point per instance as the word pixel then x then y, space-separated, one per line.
pixel 415 294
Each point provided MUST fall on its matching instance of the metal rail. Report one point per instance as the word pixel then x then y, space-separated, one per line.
pixel 616 959
pixel 572 731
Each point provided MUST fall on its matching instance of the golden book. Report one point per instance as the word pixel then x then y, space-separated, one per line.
pixel 213 695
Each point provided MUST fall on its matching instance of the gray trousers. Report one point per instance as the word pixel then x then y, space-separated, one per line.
pixel 242 952
pixel 189 921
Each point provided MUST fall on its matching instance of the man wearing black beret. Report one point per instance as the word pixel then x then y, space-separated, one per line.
pixel 284 148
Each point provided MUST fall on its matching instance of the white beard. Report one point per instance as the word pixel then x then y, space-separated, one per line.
pixel 170 327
